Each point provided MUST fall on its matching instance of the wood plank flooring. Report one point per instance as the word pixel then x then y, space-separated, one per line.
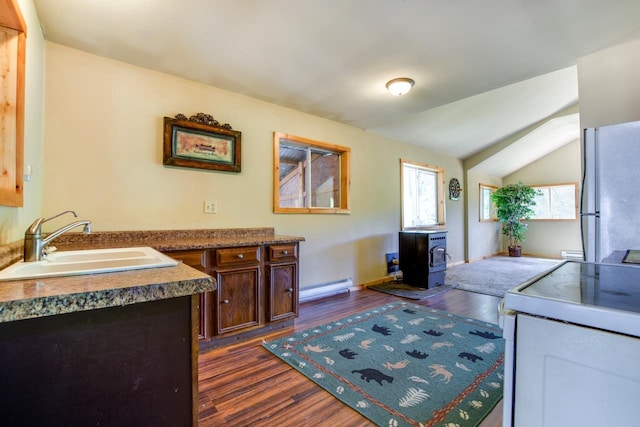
pixel 244 385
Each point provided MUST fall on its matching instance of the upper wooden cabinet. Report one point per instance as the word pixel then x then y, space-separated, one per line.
pixel 13 33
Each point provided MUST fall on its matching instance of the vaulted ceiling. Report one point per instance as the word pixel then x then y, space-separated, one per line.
pixel 484 70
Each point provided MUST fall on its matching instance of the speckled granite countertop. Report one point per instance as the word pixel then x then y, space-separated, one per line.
pixel 24 299
pixel 174 240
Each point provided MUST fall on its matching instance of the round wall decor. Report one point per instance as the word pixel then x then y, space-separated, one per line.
pixel 454 189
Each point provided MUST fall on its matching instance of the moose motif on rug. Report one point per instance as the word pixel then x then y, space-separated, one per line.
pixel 390 363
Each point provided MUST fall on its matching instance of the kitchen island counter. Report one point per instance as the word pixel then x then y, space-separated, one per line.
pixel 102 349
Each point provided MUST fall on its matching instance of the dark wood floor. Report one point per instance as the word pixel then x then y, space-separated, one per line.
pixel 244 385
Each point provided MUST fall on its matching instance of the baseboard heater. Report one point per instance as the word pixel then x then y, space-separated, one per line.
pixel 576 255
pixel 325 290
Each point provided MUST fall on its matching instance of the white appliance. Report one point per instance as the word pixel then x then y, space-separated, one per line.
pixel 572 355
pixel 610 202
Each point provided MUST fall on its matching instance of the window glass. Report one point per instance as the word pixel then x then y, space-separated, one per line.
pixel 487 207
pixel 556 202
pixel 310 176
pixel 422 195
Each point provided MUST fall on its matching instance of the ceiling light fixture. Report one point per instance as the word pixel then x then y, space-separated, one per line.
pixel 400 86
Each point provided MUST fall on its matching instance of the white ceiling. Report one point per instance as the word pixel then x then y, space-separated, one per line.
pixel 484 70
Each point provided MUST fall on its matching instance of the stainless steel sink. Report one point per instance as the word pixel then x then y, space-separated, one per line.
pixel 71 263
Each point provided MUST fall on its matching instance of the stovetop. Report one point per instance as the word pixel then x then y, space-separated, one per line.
pixel 605 296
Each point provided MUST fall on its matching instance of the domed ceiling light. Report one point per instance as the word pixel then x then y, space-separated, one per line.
pixel 400 86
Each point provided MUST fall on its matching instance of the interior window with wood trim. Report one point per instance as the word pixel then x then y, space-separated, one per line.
pixel 556 202
pixel 310 176
pixel 422 195
pixel 487 209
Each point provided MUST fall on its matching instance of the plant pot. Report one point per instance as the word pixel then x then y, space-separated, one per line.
pixel 515 251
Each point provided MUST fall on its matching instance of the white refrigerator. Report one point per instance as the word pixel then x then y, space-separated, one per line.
pixel 610 199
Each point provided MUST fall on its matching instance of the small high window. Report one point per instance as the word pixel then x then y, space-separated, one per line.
pixel 310 176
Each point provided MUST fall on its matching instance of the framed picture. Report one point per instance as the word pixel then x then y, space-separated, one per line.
pixel 191 144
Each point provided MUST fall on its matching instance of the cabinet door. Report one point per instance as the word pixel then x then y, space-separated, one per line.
pixel 198 260
pixel 237 299
pixel 283 291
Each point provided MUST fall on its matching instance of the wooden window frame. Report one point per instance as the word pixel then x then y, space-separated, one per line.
pixel 345 174
pixel 576 202
pixel 440 189
pixel 494 216
pixel 13 47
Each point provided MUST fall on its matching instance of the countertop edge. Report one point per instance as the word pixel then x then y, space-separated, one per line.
pixel 116 297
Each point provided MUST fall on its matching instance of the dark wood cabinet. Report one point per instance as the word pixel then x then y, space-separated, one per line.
pixel 200 261
pixel 237 300
pixel 282 276
pixel 257 287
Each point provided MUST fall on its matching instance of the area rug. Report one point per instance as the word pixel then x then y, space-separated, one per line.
pixel 408 291
pixel 403 364
pixel 496 275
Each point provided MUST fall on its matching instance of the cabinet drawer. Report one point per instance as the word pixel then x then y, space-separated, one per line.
pixel 283 252
pixel 195 259
pixel 237 256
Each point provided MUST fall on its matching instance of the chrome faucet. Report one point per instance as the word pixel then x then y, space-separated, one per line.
pixel 34 244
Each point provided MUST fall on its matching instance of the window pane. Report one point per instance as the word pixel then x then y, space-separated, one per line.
pixel 325 179
pixel 410 196
pixel 542 209
pixel 420 196
pixel 292 176
pixel 308 176
pixel 487 208
pixel 427 198
pixel 555 202
pixel 565 202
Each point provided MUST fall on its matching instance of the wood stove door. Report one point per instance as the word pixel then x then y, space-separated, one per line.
pixel 437 256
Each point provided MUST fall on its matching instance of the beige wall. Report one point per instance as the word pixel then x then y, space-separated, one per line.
pixel 483 237
pixel 103 158
pixel 609 86
pixel 549 238
pixel 14 221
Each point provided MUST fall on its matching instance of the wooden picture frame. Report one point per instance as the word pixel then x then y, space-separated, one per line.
pixel 191 144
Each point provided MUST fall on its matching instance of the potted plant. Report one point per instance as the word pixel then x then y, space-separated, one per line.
pixel 513 206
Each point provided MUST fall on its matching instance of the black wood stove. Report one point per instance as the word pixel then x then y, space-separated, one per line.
pixel 423 258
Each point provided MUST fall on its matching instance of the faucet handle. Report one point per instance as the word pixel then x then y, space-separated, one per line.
pixel 60 214
pixel 37 224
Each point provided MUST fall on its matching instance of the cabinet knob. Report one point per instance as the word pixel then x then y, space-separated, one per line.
pixel 225 301
pixel 290 290
pixel 286 252
pixel 240 256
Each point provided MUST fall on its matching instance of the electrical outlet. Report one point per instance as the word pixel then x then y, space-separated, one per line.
pixel 210 207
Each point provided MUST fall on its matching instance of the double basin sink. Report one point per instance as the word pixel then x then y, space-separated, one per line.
pixel 72 263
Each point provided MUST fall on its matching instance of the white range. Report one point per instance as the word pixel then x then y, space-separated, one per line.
pixel 572 355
